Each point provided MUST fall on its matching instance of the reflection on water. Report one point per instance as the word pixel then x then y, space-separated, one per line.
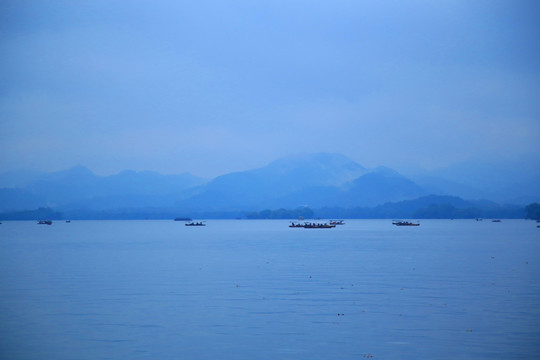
pixel 261 290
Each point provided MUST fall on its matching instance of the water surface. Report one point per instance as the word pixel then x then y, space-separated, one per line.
pixel 259 290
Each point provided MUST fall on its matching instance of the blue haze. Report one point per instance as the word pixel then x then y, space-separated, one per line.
pixel 215 87
pixel 313 180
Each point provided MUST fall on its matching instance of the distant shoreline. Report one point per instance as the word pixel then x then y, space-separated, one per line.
pixel 387 211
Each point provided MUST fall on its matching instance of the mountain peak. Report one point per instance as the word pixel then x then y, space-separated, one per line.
pixel 327 159
pixel 321 169
pixel 332 169
pixel 386 171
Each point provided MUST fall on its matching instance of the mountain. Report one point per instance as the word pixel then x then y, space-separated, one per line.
pixel 309 180
pixel 427 207
pixel 317 181
pixel 373 188
pixel 257 188
pixel 380 187
pixel 439 185
pixel 504 180
pixel 79 187
pixel 19 199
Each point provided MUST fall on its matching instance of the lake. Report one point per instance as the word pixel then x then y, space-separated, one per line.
pixel 250 289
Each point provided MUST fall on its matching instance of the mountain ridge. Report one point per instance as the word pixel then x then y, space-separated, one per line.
pixel 78 186
pixel 316 180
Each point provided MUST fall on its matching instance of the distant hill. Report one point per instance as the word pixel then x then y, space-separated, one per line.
pixel 317 181
pixel 311 180
pixel 370 189
pixel 502 180
pixel 380 187
pixel 427 207
pixel 80 187
pixel 262 187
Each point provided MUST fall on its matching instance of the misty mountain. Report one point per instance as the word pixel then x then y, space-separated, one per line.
pixel 408 208
pixel 427 207
pixel 255 188
pixel 80 187
pixel 310 180
pixel 440 185
pixel 380 187
pixel 373 188
pixel 316 180
pixel 20 199
pixel 502 180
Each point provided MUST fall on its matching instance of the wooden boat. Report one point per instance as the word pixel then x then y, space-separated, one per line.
pixel 200 223
pixel 318 226
pixel 405 223
pixel 308 225
pixel 296 225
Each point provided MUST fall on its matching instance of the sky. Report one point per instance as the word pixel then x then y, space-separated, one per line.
pixel 211 87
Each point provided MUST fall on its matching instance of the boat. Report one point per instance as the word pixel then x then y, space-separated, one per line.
pixel 337 222
pixel 405 223
pixel 68 221
pixel 495 220
pixel 308 225
pixel 296 225
pixel 45 222
pixel 318 226
pixel 200 223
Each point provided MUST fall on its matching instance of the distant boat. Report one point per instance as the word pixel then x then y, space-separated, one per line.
pixel 405 223
pixel 200 223
pixel 68 221
pixel 495 220
pixel 318 226
pixel 182 219
pixel 479 219
pixel 337 222
pixel 45 222
pixel 308 225
pixel 296 225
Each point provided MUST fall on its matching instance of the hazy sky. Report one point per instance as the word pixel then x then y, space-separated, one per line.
pixel 210 87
